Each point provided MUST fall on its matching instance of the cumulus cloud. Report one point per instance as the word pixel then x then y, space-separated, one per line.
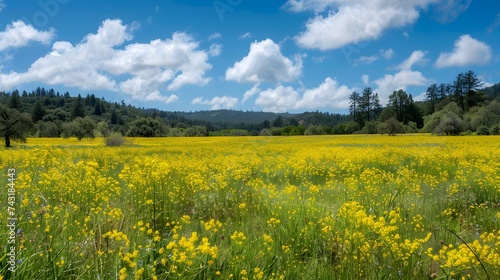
pixel 401 80
pixel 251 92
pixel 467 51
pixel 223 102
pixel 279 99
pixel 329 94
pixel 417 57
pixel 19 34
pixel 265 63
pixel 139 70
pixel 351 22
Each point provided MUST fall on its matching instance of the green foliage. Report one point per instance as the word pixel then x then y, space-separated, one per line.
pixel 102 129
pixel 369 128
pixel 196 131
pixel 391 127
pixel 276 131
pixel 266 132
pixel 314 130
pixel 483 130
pixel 78 109
pixel 82 128
pixel 450 124
pixel 148 127
pixel 404 107
pixel 114 139
pixel 488 115
pixel 47 129
pixel 38 112
pixel 15 101
pixel 14 125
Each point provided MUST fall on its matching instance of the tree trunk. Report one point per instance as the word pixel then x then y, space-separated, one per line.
pixel 7 140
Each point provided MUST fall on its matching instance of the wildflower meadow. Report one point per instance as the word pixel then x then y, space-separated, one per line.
pixel 318 207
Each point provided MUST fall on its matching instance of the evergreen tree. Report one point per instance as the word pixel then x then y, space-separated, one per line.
pixel 97 108
pixel 78 109
pixel 366 105
pixel 15 100
pixel 354 110
pixel 459 91
pixel 38 112
pixel 114 117
pixel 431 96
pixel 471 85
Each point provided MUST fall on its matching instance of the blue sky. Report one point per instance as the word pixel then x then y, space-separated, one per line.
pixel 295 55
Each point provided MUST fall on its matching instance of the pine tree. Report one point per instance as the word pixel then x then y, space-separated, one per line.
pixel 15 101
pixel 97 109
pixel 114 117
pixel 38 112
pixel 431 96
pixel 354 99
pixel 78 109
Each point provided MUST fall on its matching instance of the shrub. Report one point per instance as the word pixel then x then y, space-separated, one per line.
pixel 482 130
pixel 115 139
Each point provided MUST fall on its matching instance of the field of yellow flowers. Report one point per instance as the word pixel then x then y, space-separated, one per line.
pixel 329 207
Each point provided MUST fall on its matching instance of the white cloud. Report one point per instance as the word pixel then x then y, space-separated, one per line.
pixel 96 63
pixel 265 63
pixel 366 79
pixel 19 34
pixel 383 54
pixel 279 99
pixel 246 35
pixel 401 80
pixel 215 50
pixel 483 78
pixel 224 102
pixel 449 10
pixel 387 54
pixel 251 92
pixel 328 94
pixel 309 5
pixel 214 36
pixel 495 24
pixel 2 5
pixel 417 57
pixel 467 51
pixel 351 22
pixel 367 59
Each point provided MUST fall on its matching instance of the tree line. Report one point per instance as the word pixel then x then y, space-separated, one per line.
pixel 457 107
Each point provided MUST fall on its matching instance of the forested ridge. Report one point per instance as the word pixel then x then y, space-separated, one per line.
pixel 457 107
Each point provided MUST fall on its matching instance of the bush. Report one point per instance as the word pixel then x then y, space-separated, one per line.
pixel 115 139
pixel 266 132
pixel 482 130
pixel 495 130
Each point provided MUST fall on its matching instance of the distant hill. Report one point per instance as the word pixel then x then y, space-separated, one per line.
pixel 230 116
pixel 493 92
